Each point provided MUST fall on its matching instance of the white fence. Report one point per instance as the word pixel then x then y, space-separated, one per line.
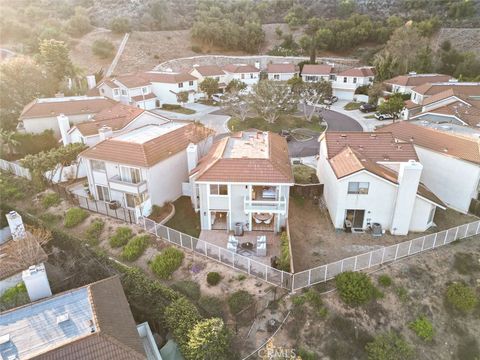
pixel 381 256
pixel 15 169
pixel 238 262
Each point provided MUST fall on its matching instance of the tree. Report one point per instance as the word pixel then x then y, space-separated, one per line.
pixel 389 346
pixel 120 25
pixel 311 30
pixel 345 8
pixel 56 60
pixel 209 86
pixel 235 86
pixel 235 105
pixel 182 97
pixel 386 66
pixel 393 106
pixel 312 94
pixel 79 24
pixel 103 48
pixel 375 91
pixel 7 139
pixel 209 339
pixel 181 316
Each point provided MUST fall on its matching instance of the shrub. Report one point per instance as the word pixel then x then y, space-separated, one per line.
pixel 352 106
pixel 196 49
pixel 14 297
pixel 181 315
pixel 171 106
pixel 239 301
pixel 385 280
pixel 34 143
pixel 355 288
pixel 167 262
pixel 94 231
pixel 284 260
pixel 209 339
pixel 211 305
pixel 461 297
pixel 190 289
pixel 74 216
pixel 135 247
pixel 402 294
pixel 213 278
pixel 49 218
pixel 314 299
pixel 389 346
pixel 103 48
pixel 50 199
pixel 306 355
pixel 121 237
pixel 423 328
pixel 120 25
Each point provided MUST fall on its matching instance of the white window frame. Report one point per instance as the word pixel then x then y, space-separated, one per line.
pixel 276 76
pixel 217 192
pixel 127 171
pixel 358 187
pixel 190 83
pixel 116 92
pixel 354 80
pixel 144 90
pixel 124 92
pixel 345 80
pixel 180 85
pixel 103 193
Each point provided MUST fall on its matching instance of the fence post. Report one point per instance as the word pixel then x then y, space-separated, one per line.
pixel 219 257
pixel 478 228
pixel 410 246
pixel 325 277
pixel 435 241
pixel 205 247
pixel 370 258
pixel 248 265
pixel 309 276
pixel 446 237
pixel 266 269
pixel 423 243
pixel 396 252
pixel 281 278
pixel 355 264
pixel 456 233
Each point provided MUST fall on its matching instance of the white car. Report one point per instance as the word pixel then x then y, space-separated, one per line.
pixel 380 116
pixel 217 97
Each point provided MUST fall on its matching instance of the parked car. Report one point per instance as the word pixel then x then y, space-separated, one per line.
pixel 286 134
pixel 217 97
pixel 330 100
pixel 380 116
pixel 366 107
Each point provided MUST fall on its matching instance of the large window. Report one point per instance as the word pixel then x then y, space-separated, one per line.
pixel 98 165
pixel 358 187
pixel 115 92
pixel 130 175
pixel 124 92
pixel 344 79
pixel 354 80
pixel 216 189
pixel 103 193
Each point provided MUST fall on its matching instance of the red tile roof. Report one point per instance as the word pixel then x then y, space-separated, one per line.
pixel 358 71
pixel 209 70
pixel 169 78
pixel 467 113
pixel 465 88
pixel 129 80
pixel 315 69
pixel 143 97
pixel 240 68
pixel 417 79
pixel 281 68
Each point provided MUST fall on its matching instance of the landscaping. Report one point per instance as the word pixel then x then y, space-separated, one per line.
pixel 75 216
pixel 50 199
pixel 178 109
pixel 304 174
pixel 135 247
pixel 165 263
pixel 352 106
pixel 185 220
pixel 93 232
pixel 13 297
pixel 159 213
pixel 284 122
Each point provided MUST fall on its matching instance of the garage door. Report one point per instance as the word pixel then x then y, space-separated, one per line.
pixel 343 94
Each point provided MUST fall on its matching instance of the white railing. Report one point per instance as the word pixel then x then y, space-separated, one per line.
pixel 15 169
pixel 383 255
pixel 279 206
pixel 222 255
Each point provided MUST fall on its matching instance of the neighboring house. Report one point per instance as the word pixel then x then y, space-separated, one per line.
pixel 317 72
pixel 370 178
pixel 281 72
pixel 41 114
pixel 347 81
pixel 451 163
pixel 244 175
pixel 248 74
pixel 145 166
pixel 405 83
pixel 110 122
pixel 212 72
pixel 167 85
pixel 92 322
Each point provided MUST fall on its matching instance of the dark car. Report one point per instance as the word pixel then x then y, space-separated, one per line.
pixel 286 134
pixel 366 107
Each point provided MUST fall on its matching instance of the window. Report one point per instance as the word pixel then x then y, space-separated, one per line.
pixel 333 77
pixel 180 85
pixel 354 80
pixel 102 90
pixel 98 165
pixel 115 92
pixel 370 79
pixel 243 76
pixel 217 78
pixel 103 193
pixel 344 79
pixel 358 187
pixel 311 78
pixel 124 92
pixel 144 90
pixel 276 77
pixel 251 76
pixel 130 200
pixel 216 189
pixel 130 175
pixel 190 83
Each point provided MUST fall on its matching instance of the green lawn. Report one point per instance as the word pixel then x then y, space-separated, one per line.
pixel 178 109
pixel 352 106
pixel 285 122
pixel 185 219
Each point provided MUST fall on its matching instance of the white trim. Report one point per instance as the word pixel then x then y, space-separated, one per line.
pixel 432 112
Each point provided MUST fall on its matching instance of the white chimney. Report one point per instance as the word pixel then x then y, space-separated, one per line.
pixel 192 156
pixel 64 125
pixel 105 132
pixel 412 73
pixel 408 180
pixel 91 82
pixel 257 64
pixel 15 223
pixel 36 282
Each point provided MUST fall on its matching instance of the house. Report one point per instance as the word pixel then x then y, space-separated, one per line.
pixel 41 114
pixel 451 163
pixel 405 83
pixel 109 122
pixel 248 74
pixel 92 322
pixel 244 180
pixel 317 72
pixel 347 81
pixel 167 85
pixel 212 72
pixel 145 166
pixel 369 178
pixel 281 72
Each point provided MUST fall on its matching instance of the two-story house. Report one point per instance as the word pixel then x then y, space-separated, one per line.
pixel 246 73
pixel 281 72
pixel 347 81
pixel 244 181
pixel 404 84
pixel 145 166
pixel 369 178
pixel 167 85
pixel 317 72
pixel 202 72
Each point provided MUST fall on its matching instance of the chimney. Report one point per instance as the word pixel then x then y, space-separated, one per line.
pixel 105 132
pixel 408 180
pixel 412 73
pixel 36 282
pixel 192 156
pixel 15 223
pixel 64 125
pixel 257 64
pixel 91 82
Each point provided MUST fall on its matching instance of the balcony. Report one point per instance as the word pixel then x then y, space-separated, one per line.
pixel 118 184
pixel 270 206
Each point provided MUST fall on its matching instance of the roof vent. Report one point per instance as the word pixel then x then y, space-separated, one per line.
pixel 343 136
pixel 374 136
pixel 4 339
pixel 445 150
pixel 411 139
pixel 62 318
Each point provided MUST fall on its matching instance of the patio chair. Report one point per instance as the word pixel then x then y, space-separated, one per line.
pixel 257 221
pixel 269 220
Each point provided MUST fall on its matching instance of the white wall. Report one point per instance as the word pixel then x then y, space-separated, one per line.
pixel 421 212
pixel 281 76
pixel 166 93
pixel 38 125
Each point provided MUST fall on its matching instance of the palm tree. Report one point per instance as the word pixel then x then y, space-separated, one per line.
pixel 7 140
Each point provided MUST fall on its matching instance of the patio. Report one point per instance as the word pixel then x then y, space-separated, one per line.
pixel 220 238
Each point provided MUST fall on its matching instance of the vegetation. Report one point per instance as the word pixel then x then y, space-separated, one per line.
pixel 181 316
pixel 74 216
pixel 393 106
pixel 79 24
pixel 93 232
pixel 355 288
pixel 120 25
pixel 209 339
pixel 135 247
pixel 284 122
pixel 284 260
pixel 304 174
pixel 185 218
pixel 313 298
pixel 461 297
pixel 50 199
pixel 190 289
pixel 159 213
pixel 239 301
pixel 178 109
pixel 213 278
pixel 385 280
pixel 103 48
pixel 352 106
pixel 27 143
pixel 165 263
pixel 389 346
pixel 465 263
pixel 14 297
pixel 423 328
pixel 121 237
pixel 211 305
pixel 209 86
pixel 270 99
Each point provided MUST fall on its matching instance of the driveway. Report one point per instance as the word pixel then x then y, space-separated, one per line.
pixel 365 120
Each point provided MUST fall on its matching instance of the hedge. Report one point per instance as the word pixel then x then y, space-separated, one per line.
pixel 355 288
pixel 165 263
pixel 94 231
pixel 121 237
pixel 239 301
pixel 74 216
pixel 213 278
pixel 135 247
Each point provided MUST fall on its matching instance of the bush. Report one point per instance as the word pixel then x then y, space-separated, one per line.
pixel 239 301
pixel 461 297
pixel 121 237
pixel 208 339
pixel 190 289
pixel 35 143
pixel 94 231
pixel 167 262
pixel 402 294
pixel 135 247
pixel 211 305
pixel 103 48
pixel 181 316
pixel 197 49
pixel 389 346
pixel 14 297
pixel 171 106
pixel 213 278
pixel 74 216
pixel 314 299
pixel 355 288
pixel 50 199
pixel 423 328
pixel 120 25
pixel 284 260
pixel 385 280
pixel 352 106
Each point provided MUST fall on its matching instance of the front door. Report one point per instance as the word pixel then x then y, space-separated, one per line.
pixel 356 217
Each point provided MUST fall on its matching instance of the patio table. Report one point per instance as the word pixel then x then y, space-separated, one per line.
pixel 262 217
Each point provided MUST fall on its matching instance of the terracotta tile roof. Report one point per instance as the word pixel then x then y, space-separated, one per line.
pixel 73 106
pixel 130 80
pixel 281 68
pixel 209 70
pixel 240 68
pixel 169 78
pixel 409 104
pixel 358 71
pixel 457 146
pixel 376 146
pixel 316 69
pixel 417 79
pixel 275 168
pixel 467 113
pixel 143 97
pixel 465 88
pixel 150 152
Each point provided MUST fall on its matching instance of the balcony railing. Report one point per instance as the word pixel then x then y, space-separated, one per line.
pixel 271 206
pixel 117 183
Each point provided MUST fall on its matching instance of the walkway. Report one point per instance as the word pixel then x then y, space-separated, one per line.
pixel 114 63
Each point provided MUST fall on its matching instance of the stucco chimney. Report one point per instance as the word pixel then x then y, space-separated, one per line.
pixel 257 64
pixel 105 132
pixel 15 223
pixel 64 125
pixel 36 282
pixel 192 156
pixel 91 82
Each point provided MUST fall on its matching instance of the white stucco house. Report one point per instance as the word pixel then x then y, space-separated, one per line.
pixel 281 72
pixel 369 178
pixel 145 166
pixel 246 73
pixel 244 180
pixel 202 72
pixel 451 163
pixel 317 72
pixel 167 85
pixel 405 83
pixel 347 81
